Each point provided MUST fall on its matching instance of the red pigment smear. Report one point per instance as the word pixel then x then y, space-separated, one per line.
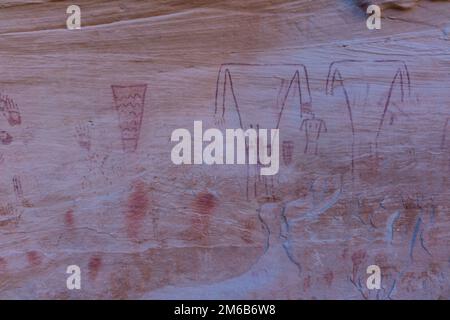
pixel 69 219
pixel 95 263
pixel 204 204
pixel 138 205
pixel 249 228
pixel 3 264
pixel 34 258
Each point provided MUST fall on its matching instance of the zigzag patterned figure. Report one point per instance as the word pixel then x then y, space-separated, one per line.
pixel 129 102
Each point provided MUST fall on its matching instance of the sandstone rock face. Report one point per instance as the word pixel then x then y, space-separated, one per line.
pixel 391 4
pixel 85 155
pixel 386 4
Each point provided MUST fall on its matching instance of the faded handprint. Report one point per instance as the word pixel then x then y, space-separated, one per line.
pixel 9 215
pixel 10 111
pixel 5 138
pixel 83 135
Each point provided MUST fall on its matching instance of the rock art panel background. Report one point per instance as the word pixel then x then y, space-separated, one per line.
pixel 86 176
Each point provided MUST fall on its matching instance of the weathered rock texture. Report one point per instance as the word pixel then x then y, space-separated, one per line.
pixel 389 4
pixel 87 179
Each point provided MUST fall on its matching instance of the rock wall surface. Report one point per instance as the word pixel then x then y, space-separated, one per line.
pixel 85 155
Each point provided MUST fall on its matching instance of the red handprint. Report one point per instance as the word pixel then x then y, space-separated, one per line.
pixel 10 110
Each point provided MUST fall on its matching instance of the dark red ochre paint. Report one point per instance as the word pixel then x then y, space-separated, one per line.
pixel 3 264
pixel 95 263
pixel 34 258
pixel 138 206
pixel 203 205
pixel 250 227
pixel 69 219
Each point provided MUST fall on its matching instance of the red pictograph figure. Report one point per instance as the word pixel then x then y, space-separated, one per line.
pixel 129 102
pixel 313 128
pixel 10 111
